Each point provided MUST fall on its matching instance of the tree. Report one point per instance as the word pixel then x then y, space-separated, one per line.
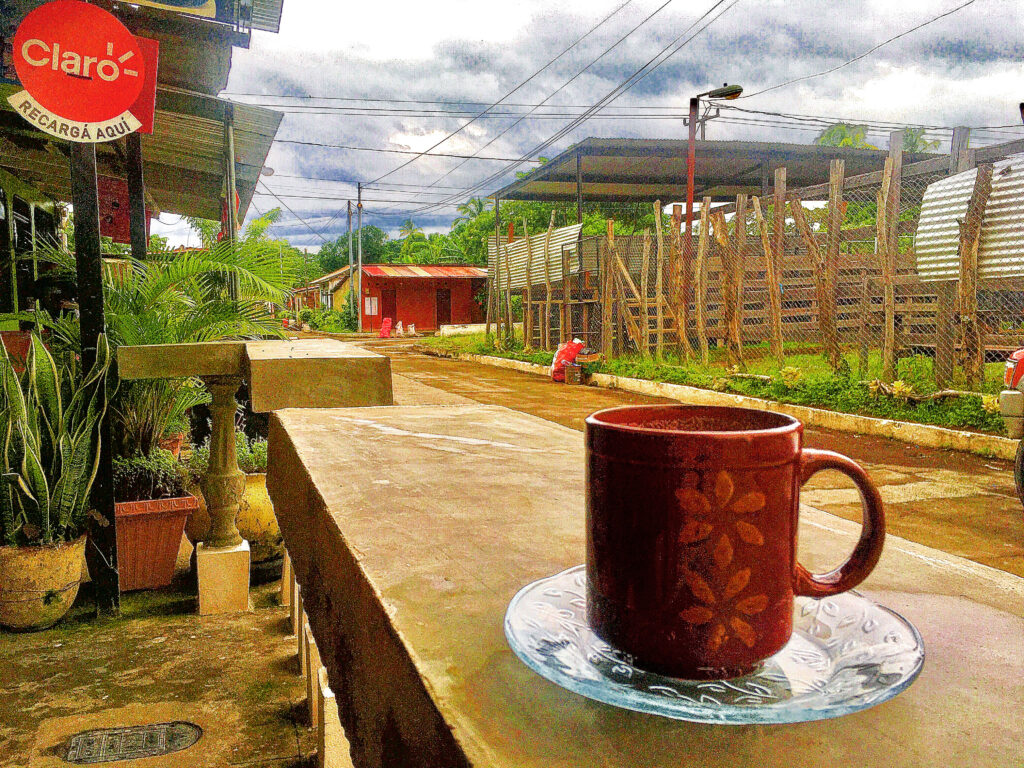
pixel 914 141
pixel 844 135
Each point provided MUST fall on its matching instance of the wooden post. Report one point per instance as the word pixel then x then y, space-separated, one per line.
pixel 565 332
pixel 510 328
pixel 826 317
pixel 945 310
pixel 892 215
pixel 883 247
pixel 659 282
pixel 970 238
pixel 528 292
pixel 771 279
pixel 607 334
pixel 700 278
pixel 89 264
pixel 645 309
pixel 830 278
pixel 726 245
pixel 779 233
pixel 739 268
pixel 546 322
pixel 136 195
pixel 680 285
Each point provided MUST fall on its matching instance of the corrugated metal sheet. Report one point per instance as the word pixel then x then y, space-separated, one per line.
pixel 266 15
pixel 1001 250
pixel 410 270
pixel 563 237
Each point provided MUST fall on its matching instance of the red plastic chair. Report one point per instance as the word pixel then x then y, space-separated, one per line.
pixel 385 328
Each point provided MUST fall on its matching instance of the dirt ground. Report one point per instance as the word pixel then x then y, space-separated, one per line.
pixel 236 677
pixel 961 503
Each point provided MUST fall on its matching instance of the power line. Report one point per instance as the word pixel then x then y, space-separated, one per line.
pixel 293 213
pixel 861 56
pixel 521 85
pixel 649 66
pixel 387 151
pixel 562 86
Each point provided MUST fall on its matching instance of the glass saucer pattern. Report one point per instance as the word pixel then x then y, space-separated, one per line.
pixel 846 654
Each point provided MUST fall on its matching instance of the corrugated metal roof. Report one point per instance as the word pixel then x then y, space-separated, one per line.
pixel 644 170
pixel 1001 249
pixel 561 238
pixel 418 270
pixel 266 15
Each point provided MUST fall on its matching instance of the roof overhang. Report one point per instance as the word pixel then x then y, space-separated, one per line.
pixel 183 160
pixel 643 170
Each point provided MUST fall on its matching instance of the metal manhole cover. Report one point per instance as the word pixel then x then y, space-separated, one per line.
pixel 109 745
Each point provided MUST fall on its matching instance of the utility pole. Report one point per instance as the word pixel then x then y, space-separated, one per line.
pixel 359 222
pixel 351 277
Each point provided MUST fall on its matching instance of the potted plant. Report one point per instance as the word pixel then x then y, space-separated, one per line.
pixel 49 455
pixel 256 520
pixel 151 509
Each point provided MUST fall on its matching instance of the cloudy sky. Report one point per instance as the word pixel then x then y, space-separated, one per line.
pixel 421 60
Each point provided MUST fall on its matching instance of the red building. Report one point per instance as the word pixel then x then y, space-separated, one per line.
pixel 427 296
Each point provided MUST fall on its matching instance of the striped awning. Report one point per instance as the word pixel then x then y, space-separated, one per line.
pixel 410 270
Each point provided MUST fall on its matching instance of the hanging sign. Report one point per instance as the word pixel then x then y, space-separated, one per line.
pixel 82 71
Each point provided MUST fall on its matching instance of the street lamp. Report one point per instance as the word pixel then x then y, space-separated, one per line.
pixel 725 92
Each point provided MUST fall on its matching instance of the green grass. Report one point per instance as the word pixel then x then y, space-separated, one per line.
pixel 817 385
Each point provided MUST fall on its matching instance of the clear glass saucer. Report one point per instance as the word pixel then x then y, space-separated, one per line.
pixel 846 654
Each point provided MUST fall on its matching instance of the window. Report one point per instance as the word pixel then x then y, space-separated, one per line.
pixel 371 306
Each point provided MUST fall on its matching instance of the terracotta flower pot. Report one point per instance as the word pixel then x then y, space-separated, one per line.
pixel 148 537
pixel 173 444
pixel 38 585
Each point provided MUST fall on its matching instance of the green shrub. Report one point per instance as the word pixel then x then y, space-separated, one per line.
pixel 252 457
pixel 917 371
pixel 156 476
pixel 305 314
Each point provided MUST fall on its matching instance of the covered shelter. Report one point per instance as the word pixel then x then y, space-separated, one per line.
pixel 644 170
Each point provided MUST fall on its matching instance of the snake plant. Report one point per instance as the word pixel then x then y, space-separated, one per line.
pixel 49 443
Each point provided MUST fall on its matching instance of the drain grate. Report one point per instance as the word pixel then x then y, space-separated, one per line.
pixel 111 745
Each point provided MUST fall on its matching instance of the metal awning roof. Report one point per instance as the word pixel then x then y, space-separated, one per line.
pixel 431 270
pixel 635 170
pixel 182 159
pixel 266 15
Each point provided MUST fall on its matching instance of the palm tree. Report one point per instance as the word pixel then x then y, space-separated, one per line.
pixel 175 297
pixel 914 141
pixel 470 209
pixel 844 135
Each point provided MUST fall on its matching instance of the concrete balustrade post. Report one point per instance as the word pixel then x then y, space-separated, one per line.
pixel 224 483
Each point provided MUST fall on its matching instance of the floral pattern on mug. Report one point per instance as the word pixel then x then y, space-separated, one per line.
pixel 718 521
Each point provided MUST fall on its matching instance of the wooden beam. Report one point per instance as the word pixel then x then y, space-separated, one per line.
pixel 970 238
pixel 659 282
pixel 528 291
pixel 546 322
pixel 888 269
pixel 772 284
pixel 830 277
pixel 607 334
pixel 645 268
pixel 700 279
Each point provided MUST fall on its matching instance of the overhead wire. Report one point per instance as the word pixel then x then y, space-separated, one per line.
pixel 564 85
pixel 653 63
pixel 514 90
pixel 862 55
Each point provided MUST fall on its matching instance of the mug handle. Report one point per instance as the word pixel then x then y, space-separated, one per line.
pixel 872 536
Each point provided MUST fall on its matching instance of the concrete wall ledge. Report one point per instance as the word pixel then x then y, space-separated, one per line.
pixel 925 435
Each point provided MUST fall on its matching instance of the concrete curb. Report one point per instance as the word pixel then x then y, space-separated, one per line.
pixel 924 435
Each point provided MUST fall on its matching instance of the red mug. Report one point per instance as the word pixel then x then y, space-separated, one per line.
pixel 691 534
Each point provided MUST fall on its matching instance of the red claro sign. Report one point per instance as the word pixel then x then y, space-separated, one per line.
pixel 81 69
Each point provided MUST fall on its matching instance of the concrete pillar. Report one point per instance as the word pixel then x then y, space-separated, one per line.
pixel 312 670
pixel 286 581
pixel 332 746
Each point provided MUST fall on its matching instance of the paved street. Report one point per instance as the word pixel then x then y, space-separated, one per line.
pixel 961 503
